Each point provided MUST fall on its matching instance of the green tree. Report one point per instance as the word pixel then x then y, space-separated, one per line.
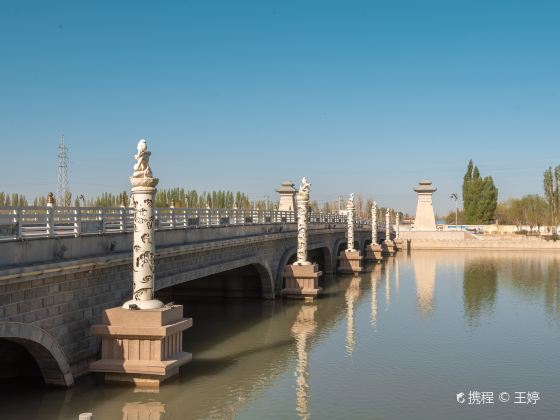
pixel 551 184
pixel 480 197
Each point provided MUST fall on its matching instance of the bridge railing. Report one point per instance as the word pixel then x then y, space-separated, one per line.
pixel 44 222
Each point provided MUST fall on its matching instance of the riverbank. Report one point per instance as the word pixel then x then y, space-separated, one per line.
pixel 482 242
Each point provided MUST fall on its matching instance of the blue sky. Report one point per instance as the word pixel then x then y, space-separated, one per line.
pixel 367 96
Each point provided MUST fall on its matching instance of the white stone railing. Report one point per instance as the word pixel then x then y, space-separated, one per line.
pixel 44 222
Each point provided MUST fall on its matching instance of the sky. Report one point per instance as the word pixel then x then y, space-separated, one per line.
pixel 357 96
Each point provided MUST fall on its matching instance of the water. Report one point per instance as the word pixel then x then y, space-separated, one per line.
pixel 398 342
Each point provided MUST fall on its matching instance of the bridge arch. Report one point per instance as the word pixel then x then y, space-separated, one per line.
pixel 232 279
pixel 44 349
pixel 326 264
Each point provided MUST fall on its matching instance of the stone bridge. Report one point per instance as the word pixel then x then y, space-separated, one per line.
pixel 53 289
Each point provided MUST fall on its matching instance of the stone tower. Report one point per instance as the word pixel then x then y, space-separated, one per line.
pixel 425 220
pixel 287 196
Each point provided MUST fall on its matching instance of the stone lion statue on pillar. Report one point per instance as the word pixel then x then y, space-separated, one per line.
pixel 142 167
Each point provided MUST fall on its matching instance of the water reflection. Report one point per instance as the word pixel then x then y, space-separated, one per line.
pixel 352 294
pixel 480 284
pixel 387 286
pixel 425 278
pixel 397 273
pixel 303 328
pixel 152 410
pixel 247 351
pixel 552 290
pixel 375 275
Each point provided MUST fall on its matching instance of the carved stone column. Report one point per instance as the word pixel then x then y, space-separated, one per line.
pixel 144 244
pixel 350 260
pixel 388 245
pixel 142 341
pixel 350 221
pixel 302 216
pixel 373 252
pixel 398 241
pixel 374 223
pixel 302 277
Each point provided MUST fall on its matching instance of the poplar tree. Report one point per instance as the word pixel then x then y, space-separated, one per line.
pixel 551 183
pixel 480 197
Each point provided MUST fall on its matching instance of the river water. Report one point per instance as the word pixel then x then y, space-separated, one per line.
pixel 398 342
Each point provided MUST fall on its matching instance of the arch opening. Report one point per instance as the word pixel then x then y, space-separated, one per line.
pixel 30 354
pixel 249 281
pixel 17 365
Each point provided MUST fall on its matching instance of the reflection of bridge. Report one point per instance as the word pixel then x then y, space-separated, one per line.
pixel 54 287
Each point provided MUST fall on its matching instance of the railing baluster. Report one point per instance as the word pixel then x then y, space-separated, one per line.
pixel 77 222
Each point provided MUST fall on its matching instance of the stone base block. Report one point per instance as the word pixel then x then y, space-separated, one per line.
pixel 388 248
pixel 301 281
pixel 350 262
pixel 374 253
pixel 399 243
pixel 143 347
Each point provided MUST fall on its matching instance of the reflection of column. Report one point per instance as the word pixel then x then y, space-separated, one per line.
pixel 397 274
pixel 152 410
pixel 352 293
pixel 375 274
pixel 304 327
pixel 387 286
pixel 425 271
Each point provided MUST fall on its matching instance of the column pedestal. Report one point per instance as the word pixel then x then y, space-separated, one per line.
pixel 302 282
pixel 143 347
pixel 398 244
pixel 388 248
pixel 350 262
pixel 374 253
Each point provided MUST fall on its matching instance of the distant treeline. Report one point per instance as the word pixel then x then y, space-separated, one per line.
pixel 181 198
pixel 164 198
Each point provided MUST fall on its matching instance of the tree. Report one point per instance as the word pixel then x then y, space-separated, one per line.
pixel 480 197
pixel 551 184
pixel 450 217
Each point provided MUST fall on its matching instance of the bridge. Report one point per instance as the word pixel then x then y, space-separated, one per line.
pixel 60 268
